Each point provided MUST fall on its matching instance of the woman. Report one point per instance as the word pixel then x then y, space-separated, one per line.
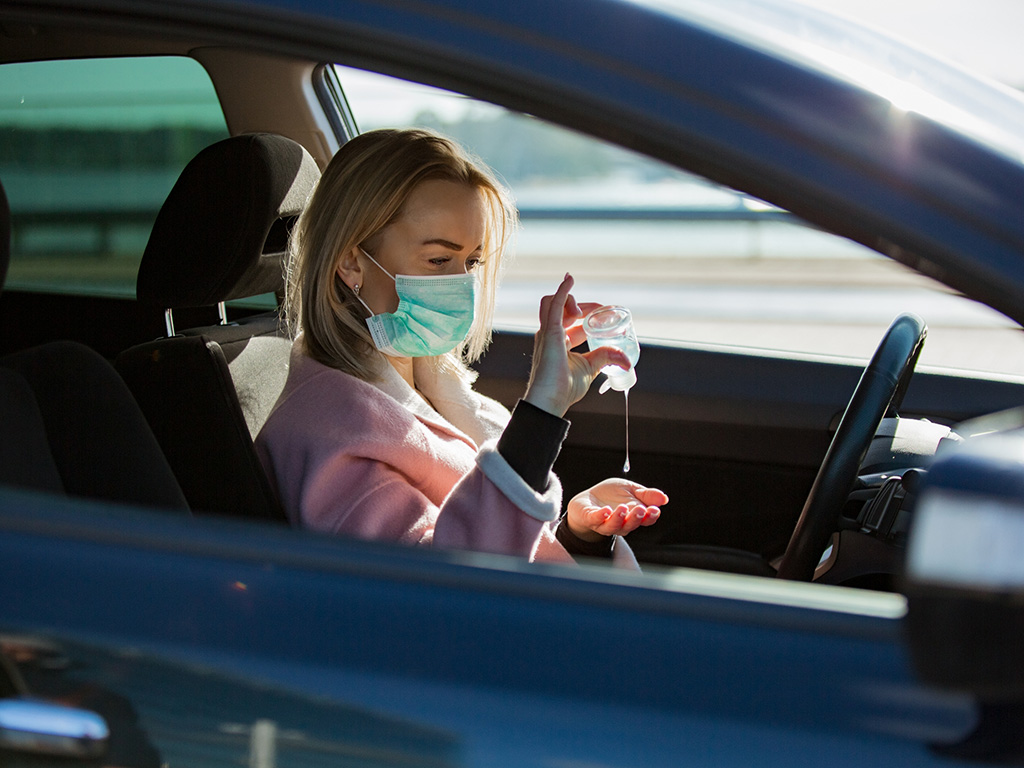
pixel 378 432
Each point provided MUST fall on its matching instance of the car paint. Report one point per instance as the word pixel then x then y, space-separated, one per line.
pixel 229 623
pixel 387 656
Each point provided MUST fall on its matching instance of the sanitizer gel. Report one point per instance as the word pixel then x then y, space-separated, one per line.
pixel 613 327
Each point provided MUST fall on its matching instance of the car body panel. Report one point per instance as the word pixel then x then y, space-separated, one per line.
pixel 458 646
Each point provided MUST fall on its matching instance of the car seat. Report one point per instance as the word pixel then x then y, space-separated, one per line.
pixel 69 425
pixel 221 235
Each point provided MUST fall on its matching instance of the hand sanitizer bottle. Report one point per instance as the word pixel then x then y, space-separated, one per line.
pixel 612 326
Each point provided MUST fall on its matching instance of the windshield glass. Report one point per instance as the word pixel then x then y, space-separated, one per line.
pixel 911 79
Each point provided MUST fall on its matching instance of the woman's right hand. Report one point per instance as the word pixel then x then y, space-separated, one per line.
pixel 559 377
pixel 613 507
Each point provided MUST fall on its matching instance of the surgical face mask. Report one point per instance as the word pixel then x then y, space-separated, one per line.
pixel 433 316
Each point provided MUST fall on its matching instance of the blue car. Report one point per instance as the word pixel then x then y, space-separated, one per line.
pixel 820 233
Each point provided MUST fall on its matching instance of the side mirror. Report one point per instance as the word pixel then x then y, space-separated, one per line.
pixel 33 727
pixel 964 573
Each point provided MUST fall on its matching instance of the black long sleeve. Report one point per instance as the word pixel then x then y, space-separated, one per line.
pixel 530 444
pixel 574 545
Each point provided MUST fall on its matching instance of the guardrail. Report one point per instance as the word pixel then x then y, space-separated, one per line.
pixel 93 233
pixel 87 233
pixel 656 214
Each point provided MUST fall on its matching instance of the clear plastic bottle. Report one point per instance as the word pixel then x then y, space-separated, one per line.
pixel 612 326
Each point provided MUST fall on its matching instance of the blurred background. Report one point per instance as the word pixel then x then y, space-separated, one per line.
pixel 701 264
pixel 87 166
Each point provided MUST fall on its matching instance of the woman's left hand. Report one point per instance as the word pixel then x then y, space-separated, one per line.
pixel 613 507
pixel 558 376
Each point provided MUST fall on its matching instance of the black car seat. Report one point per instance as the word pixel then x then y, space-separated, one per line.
pixel 221 234
pixel 69 425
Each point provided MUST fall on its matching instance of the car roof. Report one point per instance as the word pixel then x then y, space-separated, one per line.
pixel 752 94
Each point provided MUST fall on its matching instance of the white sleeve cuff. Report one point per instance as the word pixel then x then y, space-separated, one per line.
pixel 544 507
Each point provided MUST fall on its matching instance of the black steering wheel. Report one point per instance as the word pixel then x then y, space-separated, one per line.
pixel 879 392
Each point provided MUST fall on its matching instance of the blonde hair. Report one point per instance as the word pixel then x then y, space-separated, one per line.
pixel 362 191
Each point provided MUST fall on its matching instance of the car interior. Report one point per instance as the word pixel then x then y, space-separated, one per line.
pixel 220 235
pixel 73 427
pixel 736 436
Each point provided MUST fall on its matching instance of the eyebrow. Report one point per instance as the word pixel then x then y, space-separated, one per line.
pixel 448 244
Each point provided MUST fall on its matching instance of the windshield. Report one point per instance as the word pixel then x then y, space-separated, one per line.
pixel 911 79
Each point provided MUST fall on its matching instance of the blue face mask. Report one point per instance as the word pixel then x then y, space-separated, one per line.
pixel 434 314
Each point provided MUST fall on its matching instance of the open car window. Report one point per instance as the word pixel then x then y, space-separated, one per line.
pixel 90 150
pixel 694 261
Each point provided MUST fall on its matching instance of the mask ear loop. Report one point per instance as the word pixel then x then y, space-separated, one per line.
pixel 355 288
pixel 378 264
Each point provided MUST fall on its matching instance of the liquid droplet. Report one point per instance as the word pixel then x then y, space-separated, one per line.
pixel 625 466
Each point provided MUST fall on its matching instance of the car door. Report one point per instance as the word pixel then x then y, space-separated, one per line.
pixel 733 437
pixel 207 642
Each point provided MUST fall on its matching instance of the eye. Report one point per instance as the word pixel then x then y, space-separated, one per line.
pixel 473 262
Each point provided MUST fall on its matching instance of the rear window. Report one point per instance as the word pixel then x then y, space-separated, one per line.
pixel 89 150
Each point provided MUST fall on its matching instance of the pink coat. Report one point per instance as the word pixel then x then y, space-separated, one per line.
pixel 376 461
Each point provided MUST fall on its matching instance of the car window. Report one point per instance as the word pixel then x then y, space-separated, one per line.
pixel 696 262
pixel 90 150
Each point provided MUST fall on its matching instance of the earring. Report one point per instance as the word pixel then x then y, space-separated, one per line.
pixel 355 289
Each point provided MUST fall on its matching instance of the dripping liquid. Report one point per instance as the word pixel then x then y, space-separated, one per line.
pixel 625 467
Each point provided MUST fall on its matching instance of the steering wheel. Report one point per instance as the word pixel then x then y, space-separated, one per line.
pixel 879 391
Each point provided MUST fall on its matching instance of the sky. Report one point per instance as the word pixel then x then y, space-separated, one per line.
pixel 983 35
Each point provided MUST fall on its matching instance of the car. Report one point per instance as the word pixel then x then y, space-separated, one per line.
pixel 822 584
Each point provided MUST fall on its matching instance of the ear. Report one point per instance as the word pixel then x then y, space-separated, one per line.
pixel 349 268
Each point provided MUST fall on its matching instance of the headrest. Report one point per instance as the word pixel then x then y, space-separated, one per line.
pixel 5 236
pixel 222 232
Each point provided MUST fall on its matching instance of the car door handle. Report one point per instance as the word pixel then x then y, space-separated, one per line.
pixel 38 727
